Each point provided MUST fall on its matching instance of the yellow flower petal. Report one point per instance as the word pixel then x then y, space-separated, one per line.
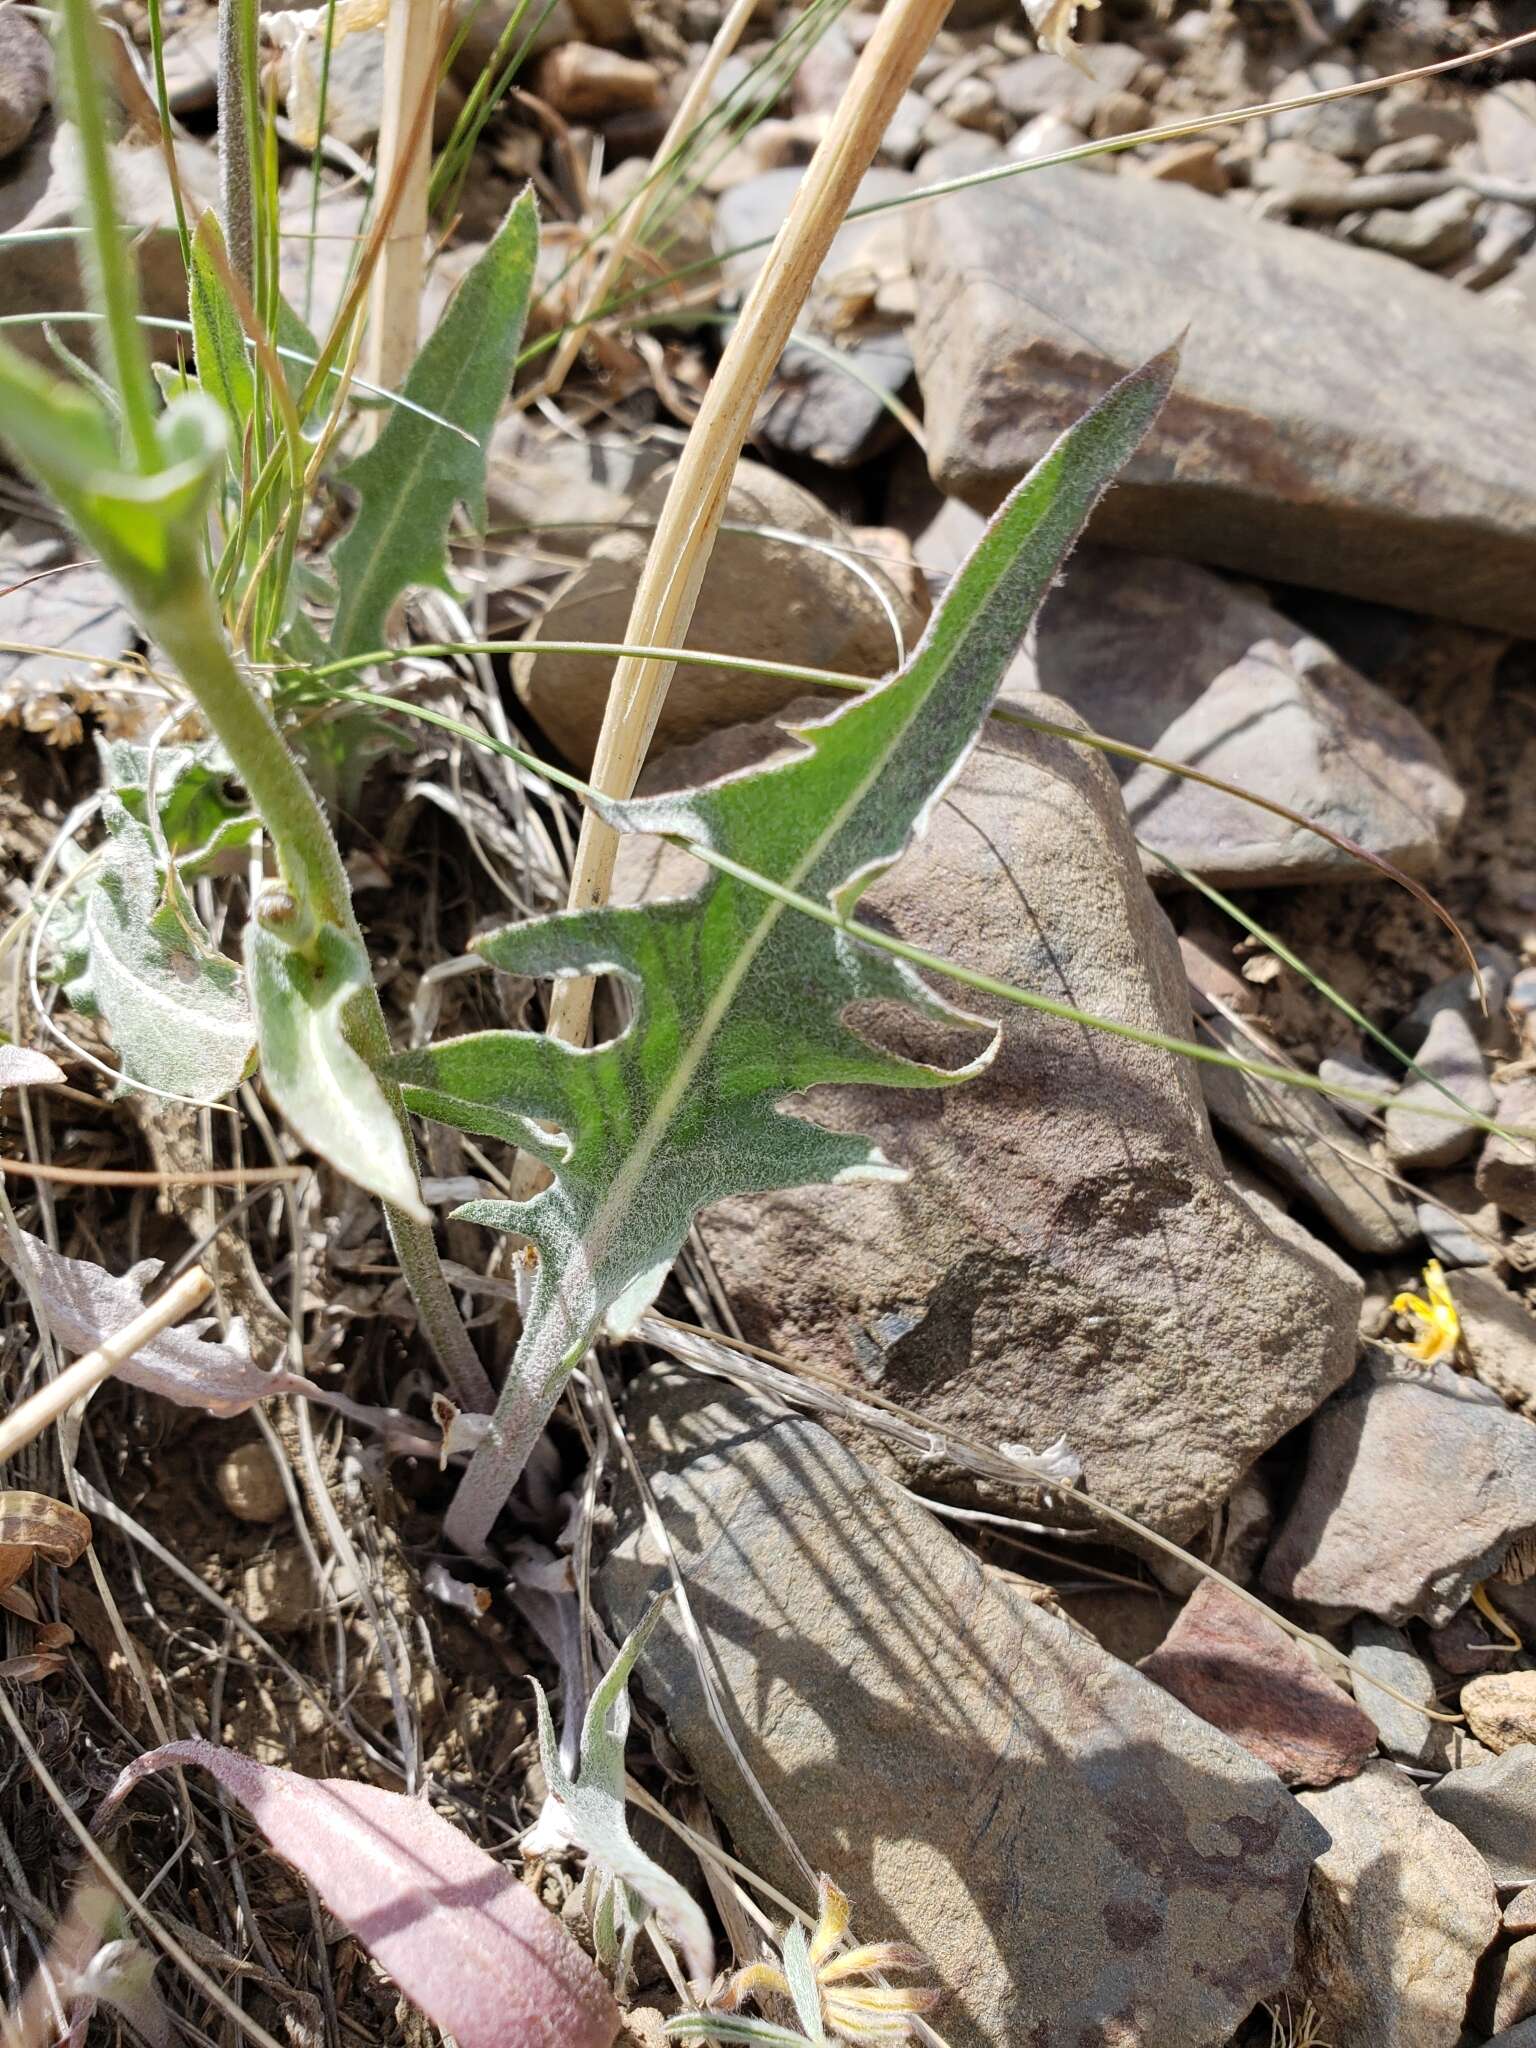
pixel 1441 1326
pixel 752 1982
pixel 833 1921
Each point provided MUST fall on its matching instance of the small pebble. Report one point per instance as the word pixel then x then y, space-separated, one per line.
pixel 1413 153
pixel 583 82
pixel 1354 1070
pixel 250 1485
pixel 277 1592
pixel 1190 163
pixel 1451 1056
pixel 1501 1708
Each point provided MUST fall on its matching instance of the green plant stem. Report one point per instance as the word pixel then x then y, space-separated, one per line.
pixel 188 629
pixel 126 361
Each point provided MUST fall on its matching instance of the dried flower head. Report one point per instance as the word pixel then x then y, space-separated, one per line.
pixel 853 2011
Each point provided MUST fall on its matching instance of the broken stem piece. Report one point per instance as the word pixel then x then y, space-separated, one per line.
pixel 87 1373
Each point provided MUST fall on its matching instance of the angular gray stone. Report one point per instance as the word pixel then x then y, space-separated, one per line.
pixel 760 593
pixel 1498 1337
pixel 1417 1482
pixel 1496 965
pixel 818 407
pixel 1521 2036
pixel 1509 1994
pixel 1308 1147
pixel 1081 1858
pixel 1383 468
pixel 192 64
pixel 1506 1170
pixel 1341 128
pixel 1450 1055
pixel 1506 128
pixel 1460 1227
pixel 1044 84
pixel 26 78
pixel 1413 1738
pixel 1494 1806
pixel 1068 1255
pixel 1399 1913
pixel 1180 662
pixel 42 189
pixel 74 608
pixel 1434 232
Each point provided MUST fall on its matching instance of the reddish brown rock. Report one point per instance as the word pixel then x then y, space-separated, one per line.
pixel 1236 1669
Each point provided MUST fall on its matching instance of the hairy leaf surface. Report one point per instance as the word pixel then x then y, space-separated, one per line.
pixel 587 1811
pixel 322 1086
pixel 738 1002
pixel 416 472
pixel 218 339
pixel 139 958
pixel 133 950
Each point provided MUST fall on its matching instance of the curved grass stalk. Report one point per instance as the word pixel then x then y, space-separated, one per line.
pixel 931 963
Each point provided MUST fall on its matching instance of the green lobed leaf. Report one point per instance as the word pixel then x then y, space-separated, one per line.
pixel 412 477
pixel 590 1813
pixel 200 822
pixel 325 1090
pixel 739 1003
pixel 138 956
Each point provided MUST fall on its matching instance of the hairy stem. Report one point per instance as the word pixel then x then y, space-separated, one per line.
pixel 236 201
pixel 311 864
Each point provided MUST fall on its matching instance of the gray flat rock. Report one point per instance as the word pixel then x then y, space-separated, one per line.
pixel 41 189
pixel 1413 1738
pixel 1080 1857
pixel 1506 1169
pixel 1417 1482
pixel 1450 1055
pixel 1180 662
pixel 1307 1146
pixel 1498 1337
pixel 1494 1806
pixel 1340 419
pixel 819 405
